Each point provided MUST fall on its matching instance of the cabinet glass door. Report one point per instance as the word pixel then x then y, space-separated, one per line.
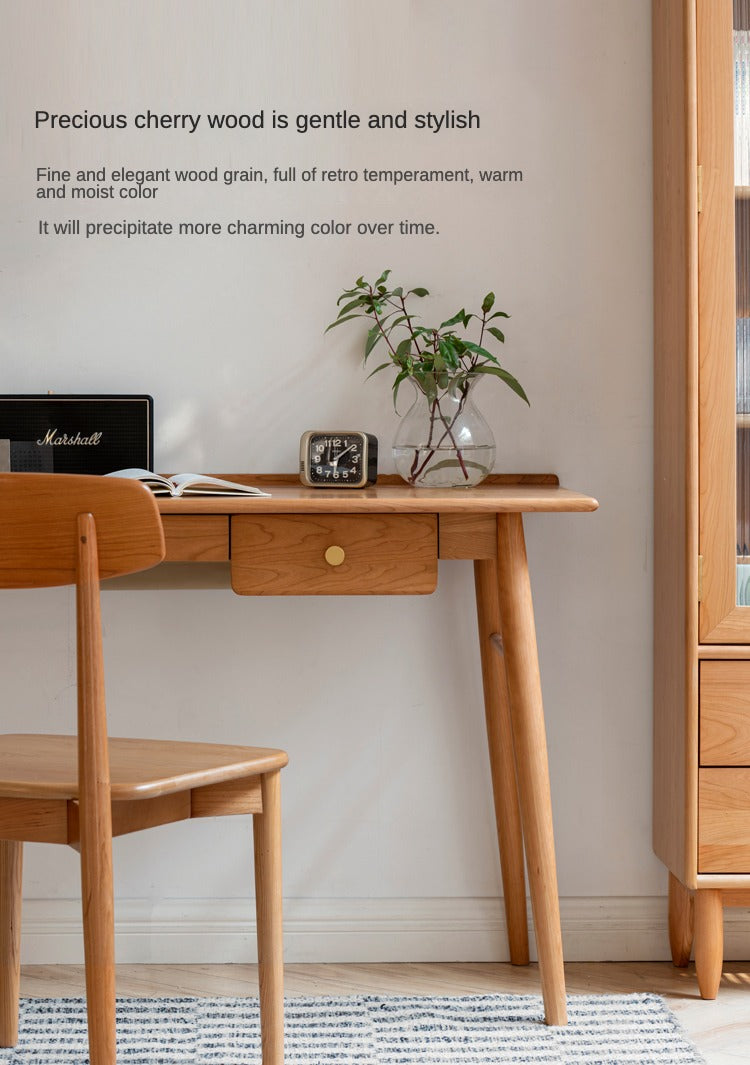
pixel 741 55
pixel 723 212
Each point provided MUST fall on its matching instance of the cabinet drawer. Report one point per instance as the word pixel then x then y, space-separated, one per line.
pixel 725 713
pixel 724 821
pixel 334 554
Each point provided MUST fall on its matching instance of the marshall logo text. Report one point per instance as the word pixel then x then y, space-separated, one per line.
pixel 63 440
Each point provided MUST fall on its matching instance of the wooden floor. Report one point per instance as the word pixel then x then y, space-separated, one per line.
pixel 721 1029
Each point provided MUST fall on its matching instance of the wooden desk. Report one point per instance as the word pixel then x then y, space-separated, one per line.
pixel 387 540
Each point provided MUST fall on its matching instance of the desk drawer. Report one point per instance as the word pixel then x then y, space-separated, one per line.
pixel 725 713
pixel 334 554
pixel 724 821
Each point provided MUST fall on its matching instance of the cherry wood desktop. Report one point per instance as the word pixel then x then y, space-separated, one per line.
pixel 387 540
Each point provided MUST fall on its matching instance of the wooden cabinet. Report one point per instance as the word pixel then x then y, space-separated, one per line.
pixel 701 471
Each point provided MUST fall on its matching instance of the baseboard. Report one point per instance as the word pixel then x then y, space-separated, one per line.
pixel 177 931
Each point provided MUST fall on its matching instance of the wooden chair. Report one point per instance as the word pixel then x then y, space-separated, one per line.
pixel 62 529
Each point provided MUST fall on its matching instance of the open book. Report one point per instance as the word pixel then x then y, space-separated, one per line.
pixel 188 484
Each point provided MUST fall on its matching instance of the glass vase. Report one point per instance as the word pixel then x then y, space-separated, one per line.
pixel 443 440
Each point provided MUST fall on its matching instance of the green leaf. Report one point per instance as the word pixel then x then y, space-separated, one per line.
pixel 418 292
pixel 348 293
pixel 479 350
pixel 349 307
pixel 396 385
pixel 383 277
pixel 397 291
pixel 459 345
pixel 340 321
pixel 360 283
pixel 428 383
pixel 496 333
pixel 488 302
pixel 448 351
pixel 509 379
pixel 373 336
pixel 455 464
pixel 383 366
pixel 456 318
pixel 403 350
pixel 498 314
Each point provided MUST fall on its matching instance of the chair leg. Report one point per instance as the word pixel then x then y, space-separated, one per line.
pixel 11 865
pixel 267 846
pixel 99 947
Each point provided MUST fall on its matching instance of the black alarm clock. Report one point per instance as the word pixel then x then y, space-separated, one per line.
pixel 338 458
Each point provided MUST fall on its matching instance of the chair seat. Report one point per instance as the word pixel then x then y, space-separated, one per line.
pixel 42 766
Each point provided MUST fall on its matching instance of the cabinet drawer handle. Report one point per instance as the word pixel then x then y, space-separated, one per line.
pixel 335 555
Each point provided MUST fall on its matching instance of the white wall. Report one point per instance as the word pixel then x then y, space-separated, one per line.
pixel 389 840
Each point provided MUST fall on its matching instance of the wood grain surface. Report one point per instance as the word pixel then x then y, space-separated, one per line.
pixel 724 821
pixel 383 554
pixel 46 766
pixel 38 529
pixel 389 495
pixel 725 713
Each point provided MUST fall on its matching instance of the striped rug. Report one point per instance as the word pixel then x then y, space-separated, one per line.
pixel 364 1030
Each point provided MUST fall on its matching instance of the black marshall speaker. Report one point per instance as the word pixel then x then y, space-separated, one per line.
pixel 76 434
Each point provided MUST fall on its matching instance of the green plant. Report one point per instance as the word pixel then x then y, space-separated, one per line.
pixel 433 357
pixel 440 361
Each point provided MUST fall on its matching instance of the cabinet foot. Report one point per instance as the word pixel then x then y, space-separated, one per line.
pixel 681 913
pixel 709 941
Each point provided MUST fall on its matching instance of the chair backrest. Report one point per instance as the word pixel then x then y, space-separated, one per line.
pixel 67 529
pixel 39 527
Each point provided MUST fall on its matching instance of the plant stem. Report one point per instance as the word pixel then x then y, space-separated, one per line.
pixel 408 326
pixel 435 408
pixel 475 357
pixel 414 471
pixel 379 324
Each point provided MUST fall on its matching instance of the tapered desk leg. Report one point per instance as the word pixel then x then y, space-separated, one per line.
pixel 502 761
pixel 530 742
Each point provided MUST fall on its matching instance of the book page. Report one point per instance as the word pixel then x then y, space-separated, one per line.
pixel 155 481
pixel 202 484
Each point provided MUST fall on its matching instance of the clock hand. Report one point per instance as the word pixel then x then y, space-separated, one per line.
pixel 341 455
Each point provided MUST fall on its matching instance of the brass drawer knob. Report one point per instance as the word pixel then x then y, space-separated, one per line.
pixel 335 555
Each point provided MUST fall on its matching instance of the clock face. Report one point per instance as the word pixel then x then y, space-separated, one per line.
pixel 335 459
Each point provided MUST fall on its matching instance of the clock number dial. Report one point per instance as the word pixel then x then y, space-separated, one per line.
pixel 338 459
